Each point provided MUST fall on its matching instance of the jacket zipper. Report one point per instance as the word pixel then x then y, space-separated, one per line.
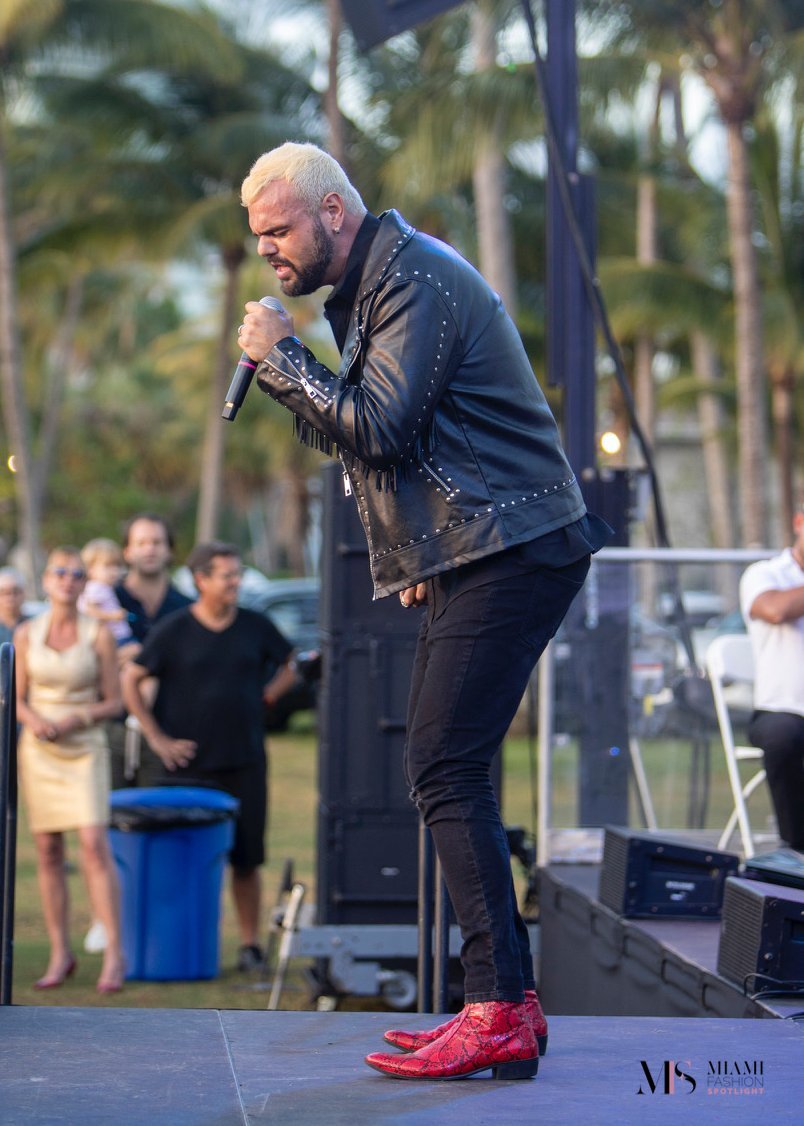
pixel 311 392
pixel 448 490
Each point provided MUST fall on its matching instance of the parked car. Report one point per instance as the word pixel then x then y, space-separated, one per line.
pixel 700 606
pixel 715 627
pixel 291 604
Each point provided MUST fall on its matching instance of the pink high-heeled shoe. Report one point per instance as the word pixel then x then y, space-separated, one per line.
pixel 55 980
pixel 109 986
pixel 112 984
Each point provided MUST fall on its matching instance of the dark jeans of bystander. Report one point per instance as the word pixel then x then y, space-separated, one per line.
pixel 780 735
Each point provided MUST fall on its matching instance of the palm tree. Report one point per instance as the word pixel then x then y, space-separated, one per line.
pixel 644 169
pixel 186 141
pixel 446 127
pixel 781 199
pixel 495 249
pixel 732 45
pixel 336 123
pixel 57 34
pixel 15 413
pixel 216 129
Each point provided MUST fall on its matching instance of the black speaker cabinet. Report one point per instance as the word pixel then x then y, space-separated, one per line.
pixel 368 828
pixel 644 875
pixel 348 606
pixel 367 867
pixel 761 935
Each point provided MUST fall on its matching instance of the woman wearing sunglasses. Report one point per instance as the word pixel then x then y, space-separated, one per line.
pixel 67 685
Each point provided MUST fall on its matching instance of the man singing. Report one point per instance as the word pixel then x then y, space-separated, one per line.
pixel 470 509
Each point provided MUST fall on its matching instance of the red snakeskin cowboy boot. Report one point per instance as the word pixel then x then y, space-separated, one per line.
pixel 496 1035
pixel 412 1041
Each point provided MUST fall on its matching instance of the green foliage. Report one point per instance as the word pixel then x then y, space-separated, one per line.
pixel 665 300
pixel 129 125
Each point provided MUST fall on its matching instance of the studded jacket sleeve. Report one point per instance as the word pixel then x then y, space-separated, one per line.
pixel 383 399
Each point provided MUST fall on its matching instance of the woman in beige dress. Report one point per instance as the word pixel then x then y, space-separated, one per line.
pixel 67 685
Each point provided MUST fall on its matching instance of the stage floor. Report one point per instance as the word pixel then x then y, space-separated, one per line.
pixel 209 1068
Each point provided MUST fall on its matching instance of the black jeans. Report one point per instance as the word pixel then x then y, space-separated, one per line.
pixel 475 654
pixel 781 737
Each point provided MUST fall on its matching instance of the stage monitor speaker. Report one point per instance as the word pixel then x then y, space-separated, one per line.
pixel 374 21
pixel 782 866
pixel 644 875
pixel 762 936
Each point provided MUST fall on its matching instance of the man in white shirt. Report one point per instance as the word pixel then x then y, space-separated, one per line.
pixel 772 603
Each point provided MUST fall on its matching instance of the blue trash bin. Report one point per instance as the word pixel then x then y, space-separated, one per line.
pixel 171 844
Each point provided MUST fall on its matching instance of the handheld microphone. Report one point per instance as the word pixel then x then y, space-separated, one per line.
pixel 244 372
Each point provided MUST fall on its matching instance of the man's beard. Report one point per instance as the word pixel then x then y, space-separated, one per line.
pixel 309 276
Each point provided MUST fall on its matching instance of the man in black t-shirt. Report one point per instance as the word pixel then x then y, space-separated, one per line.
pixel 206 723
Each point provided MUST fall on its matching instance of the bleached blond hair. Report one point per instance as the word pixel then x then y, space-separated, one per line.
pixel 312 172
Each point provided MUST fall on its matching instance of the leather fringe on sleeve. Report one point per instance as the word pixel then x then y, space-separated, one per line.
pixel 385 480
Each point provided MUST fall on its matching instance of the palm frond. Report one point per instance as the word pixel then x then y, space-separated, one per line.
pixel 663 299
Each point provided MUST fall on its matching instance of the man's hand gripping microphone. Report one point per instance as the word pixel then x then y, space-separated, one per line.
pixel 244 372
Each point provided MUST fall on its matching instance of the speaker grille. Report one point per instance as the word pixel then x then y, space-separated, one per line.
pixel 614 871
pixel 740 932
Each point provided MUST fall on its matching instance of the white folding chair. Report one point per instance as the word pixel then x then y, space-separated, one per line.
pixel 729 662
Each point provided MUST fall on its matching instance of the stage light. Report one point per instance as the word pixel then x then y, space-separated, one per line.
pixel 610 443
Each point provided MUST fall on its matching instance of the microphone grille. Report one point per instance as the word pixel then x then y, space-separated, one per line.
pixel 272 303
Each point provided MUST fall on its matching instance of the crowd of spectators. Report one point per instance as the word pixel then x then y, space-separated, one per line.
pixel 120 655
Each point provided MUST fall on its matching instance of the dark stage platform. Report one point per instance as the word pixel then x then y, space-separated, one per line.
pixel 207 1068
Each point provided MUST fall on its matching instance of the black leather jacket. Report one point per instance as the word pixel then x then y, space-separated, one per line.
pixel 446 438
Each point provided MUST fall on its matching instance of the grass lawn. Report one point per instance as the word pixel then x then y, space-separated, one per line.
pixel 292 835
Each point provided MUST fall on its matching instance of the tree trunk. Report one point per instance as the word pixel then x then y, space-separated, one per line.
pixel 752 427
pixel 59 370
pixel 711 411
pixel 782 391
pixel 644 390
pixel 647 251
pixel 335 121
pixel 292 521
pixel 711 419
pixel 494 239
pixel 211 480
pixel 15 411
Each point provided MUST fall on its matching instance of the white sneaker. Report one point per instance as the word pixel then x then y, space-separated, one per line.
pixel 95 940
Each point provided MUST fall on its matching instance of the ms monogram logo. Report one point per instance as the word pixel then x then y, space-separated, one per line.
pixel 665 1079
